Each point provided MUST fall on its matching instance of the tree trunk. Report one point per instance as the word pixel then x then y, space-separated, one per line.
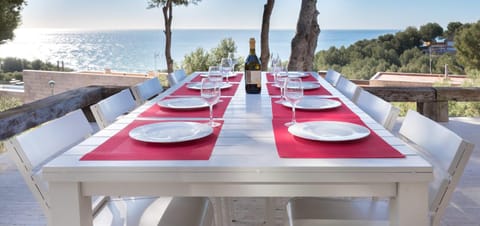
pixel 265 49
pixel 304 43
pixel 167 18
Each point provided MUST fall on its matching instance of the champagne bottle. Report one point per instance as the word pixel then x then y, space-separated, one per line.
pixel 253 79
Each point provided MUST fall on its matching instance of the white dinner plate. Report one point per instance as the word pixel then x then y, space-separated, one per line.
pixel 198 85
pixel 297 74
pixel 229 76
pixel 314 103
pixel 329 131
pixel 183 103
pixel 170 132
pixel 305 85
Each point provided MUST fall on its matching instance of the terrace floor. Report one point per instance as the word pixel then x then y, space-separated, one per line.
pixel 18 206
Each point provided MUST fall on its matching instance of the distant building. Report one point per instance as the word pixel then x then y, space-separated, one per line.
pixel 439 46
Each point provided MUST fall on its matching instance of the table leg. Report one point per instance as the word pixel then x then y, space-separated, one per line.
pixel 221 211
pixel 270 211
pixel 68 206
pixel 410 207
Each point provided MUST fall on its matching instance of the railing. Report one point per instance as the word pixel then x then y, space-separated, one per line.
pixel 431 101
pixel 17 120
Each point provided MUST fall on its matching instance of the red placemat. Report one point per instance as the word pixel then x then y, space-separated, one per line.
pixel 236 78
pixel 122 147
pixel 157 111
pixel 280 111
pixel 372 146
pixel 185 91
pixel 309 78
pixel 275 91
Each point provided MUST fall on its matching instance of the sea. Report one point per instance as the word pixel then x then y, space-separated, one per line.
pixel 143 50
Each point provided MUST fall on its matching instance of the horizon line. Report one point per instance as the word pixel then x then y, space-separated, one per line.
pixel 200 28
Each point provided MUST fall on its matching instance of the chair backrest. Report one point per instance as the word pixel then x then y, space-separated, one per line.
pixel 33 148
pixel 146 90
pixel 107 110
pixel 176 77
pixel 379 109
pixel 348 88
pixel 332 77
pixel 445 150
pixel 186 211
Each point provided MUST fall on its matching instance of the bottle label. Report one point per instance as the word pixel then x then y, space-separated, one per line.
pixel 253 77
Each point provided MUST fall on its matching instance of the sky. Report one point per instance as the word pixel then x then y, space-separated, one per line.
pixel 246 14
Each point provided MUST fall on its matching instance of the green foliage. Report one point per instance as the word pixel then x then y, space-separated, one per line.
pixel 11 68
pixel 197 60
pixel 200 60
pixel 9 18
pixel 404 107
pixel 11 64
pixel 430 31
pixel 463 109
pixel 6 77
pixel 467 44
pixel 7 102
pixel 162 3
pixel 452 29
pixel 225 47
pixel 390 52
pixel 405 40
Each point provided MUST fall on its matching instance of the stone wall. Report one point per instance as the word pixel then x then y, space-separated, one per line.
pixel 37 82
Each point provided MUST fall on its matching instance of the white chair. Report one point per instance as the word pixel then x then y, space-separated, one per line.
pixel 109 109
pixel 377 108
pixel 163 211
pixel 446 151
pixel 32 149
pixel 176 77
pixel 332 77
pixel 146 90
pixel 348 88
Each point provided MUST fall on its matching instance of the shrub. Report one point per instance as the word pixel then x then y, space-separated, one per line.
pixel 7 102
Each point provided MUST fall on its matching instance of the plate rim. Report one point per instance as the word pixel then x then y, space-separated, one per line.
pixel 292 131
pixel 303 74
pixel 316 87
pixel 209 131
pixel 181 108
pixel 339 104
pixel 225 85
pixel 229 76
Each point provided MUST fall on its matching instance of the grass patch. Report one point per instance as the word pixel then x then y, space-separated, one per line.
pixel 7 102
pixel 455 109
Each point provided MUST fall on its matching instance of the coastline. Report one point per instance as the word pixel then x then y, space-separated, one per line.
pixel 140 50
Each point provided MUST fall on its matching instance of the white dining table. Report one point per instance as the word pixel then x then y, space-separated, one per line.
pixel 244 163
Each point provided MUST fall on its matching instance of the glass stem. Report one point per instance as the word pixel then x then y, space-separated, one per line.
pixel 293 114
pixel 211 114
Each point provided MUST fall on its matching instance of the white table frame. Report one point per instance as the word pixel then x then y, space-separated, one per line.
pixel 244 163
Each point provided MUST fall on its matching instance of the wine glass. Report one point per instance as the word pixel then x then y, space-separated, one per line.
pixel 280 78
pixel 293 94
pixel 226 67
pixel 210 91
pixel 234 61
pixel 215 74
pixel 275 62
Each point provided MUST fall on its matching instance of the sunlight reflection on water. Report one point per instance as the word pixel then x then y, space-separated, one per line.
pixel 134 50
